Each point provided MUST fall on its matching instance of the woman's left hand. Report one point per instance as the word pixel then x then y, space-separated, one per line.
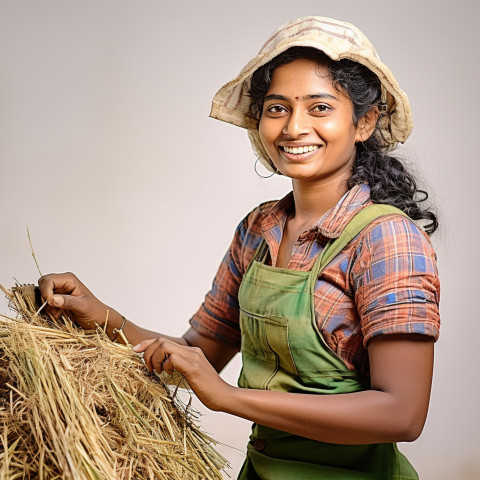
pixel 163 355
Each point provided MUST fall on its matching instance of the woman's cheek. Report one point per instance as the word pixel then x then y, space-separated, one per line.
pixel 267 139
pixel 330 128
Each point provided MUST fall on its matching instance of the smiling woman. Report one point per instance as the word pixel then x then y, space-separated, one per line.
pixel 330 294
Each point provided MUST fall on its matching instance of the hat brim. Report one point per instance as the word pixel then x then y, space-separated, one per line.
pixel 338 40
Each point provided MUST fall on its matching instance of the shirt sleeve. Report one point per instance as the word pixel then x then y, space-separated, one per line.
pixel 218 316
pixel 395 280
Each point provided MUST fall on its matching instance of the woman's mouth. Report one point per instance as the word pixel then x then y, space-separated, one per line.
pixel 299 153
pixel 300 150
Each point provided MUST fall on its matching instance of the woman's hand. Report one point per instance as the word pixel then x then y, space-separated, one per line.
pixel 65 293
pixel 164 355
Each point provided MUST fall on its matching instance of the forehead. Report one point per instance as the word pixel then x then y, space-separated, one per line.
pixel 301 77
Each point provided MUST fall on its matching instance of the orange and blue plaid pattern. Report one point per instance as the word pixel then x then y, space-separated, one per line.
pixel 384 282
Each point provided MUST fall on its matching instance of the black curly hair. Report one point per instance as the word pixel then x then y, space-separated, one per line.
pixel 387 177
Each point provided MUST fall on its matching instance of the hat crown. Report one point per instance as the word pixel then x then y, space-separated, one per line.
pixel 328 29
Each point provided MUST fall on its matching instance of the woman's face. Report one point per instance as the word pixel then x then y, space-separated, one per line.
pixel 307 125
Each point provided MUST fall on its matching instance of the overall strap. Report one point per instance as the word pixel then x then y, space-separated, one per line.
pixel 259 255
pixel 262 252
pixel 351 230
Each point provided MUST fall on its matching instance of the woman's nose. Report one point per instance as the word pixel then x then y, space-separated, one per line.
pixel 297 124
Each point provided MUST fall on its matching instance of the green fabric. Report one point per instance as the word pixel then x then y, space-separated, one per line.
pixel 283 350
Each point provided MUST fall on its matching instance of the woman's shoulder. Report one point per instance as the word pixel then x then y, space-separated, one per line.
pixel 265 207
pixel 249 233
pixel 394 245
pixel 252 222
pixel 396 230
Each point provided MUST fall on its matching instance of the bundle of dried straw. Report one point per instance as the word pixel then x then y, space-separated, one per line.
pixel 74 405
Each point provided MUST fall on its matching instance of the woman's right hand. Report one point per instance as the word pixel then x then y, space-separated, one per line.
pixel 65 293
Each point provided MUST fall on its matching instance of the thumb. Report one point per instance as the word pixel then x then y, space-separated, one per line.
pixel 67 302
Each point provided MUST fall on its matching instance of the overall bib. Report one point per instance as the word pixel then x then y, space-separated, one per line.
pixel 283 349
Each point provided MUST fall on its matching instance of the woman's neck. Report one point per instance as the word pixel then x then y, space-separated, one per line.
pixel 313 199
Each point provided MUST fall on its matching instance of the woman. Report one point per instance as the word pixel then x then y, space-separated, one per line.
pixel 331 293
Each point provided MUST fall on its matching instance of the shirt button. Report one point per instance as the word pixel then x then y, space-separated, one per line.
pixel 259 444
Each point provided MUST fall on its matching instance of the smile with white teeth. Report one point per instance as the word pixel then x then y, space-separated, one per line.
pixel 299 150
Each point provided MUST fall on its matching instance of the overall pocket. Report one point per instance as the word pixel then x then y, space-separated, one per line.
pixel 267 360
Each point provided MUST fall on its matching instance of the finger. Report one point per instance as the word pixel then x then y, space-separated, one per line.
pixel 57 283
pixel 186 360
pixel 52 309
pixel 184 364
pixel 142 346
pixel 156 353
pixel 168 365
pixel 46 287
pixel 159 359
pixel 56 313
pixel 150 351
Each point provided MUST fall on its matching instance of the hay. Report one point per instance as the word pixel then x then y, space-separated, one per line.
pixel 74 405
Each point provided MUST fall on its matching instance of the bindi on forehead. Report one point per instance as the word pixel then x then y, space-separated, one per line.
pixel 312 96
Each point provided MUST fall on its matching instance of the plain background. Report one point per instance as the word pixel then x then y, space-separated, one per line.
pixel 109 157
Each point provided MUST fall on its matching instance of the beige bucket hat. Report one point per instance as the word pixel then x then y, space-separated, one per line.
pixel 337 40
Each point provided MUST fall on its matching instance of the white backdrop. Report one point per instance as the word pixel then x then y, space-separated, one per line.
pixel 108 156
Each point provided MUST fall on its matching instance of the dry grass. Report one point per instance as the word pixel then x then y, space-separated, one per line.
pixel 74 405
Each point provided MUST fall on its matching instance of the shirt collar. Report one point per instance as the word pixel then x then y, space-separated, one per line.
pixel 330 224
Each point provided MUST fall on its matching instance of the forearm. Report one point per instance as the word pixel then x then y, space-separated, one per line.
pixel 354 418
pixel 132 332
pixel 218 353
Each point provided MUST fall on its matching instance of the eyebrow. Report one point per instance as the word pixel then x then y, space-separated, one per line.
pixel 274 96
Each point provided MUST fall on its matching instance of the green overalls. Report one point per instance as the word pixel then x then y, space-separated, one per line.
pixel 283 350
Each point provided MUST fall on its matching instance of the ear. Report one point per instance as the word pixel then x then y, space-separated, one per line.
pixel 366 125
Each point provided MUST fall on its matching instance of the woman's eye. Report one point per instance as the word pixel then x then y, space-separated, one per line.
pixel 322 108
pixel 276 109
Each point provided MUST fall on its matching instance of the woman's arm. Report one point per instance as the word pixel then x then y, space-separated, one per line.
pixel 65 293
pixel 394 409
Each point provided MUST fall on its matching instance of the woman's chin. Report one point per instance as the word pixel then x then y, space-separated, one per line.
pixel 299 172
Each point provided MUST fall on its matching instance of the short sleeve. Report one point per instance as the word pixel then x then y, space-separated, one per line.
pixel 218 316
pixel 395 280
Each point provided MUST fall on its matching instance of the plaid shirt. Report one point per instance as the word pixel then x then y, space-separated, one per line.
pixel 383 282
